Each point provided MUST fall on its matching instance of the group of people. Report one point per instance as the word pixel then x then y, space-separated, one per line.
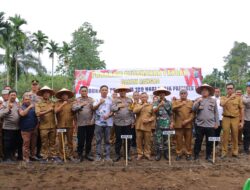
pixel 28 129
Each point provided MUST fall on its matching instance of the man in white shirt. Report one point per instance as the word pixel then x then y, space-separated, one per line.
pixel 220 111
pixel 103 122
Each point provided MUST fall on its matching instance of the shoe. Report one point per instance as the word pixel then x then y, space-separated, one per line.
pixel 149 158
pixel 246 152
pixel 188 157
pixel 56 159
pixel 98 159
pixel 39 156
pixel 139 157
pixel 34 158
pixel 235 156
pixel 129 158
pixel 196 157
pixel 80 158
pixel 223 157
pixel 89 157
pixel 117 158
pixel 209 159
pixel 71 158
pixel 108 159
pixel 44 160
pixel 8 160
pixel 166 154
pixel 178 158
pixel 158 155
pixel 27 161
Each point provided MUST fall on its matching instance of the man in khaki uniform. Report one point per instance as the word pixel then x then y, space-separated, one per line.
pixel 183 117
pixel 145 122
pixel 233 113
pixel 45 111
pixel 65 119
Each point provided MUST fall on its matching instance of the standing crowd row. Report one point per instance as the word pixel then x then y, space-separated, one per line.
pixel 28 130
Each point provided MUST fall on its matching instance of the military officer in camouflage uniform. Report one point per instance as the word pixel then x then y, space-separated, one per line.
pixel 163 110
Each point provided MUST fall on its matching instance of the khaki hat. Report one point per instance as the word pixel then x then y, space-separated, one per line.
pixel 45 89
pixel 161 90
pixel 122 87
pixel 64 91
pixel 210 89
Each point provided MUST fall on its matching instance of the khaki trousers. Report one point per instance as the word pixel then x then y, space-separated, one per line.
pixel 143 142
pixel 48 138
pixel 230 124
pixel 183 139
pixel 69 145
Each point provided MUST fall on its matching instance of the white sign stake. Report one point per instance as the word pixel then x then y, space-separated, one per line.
pixel 126 137
pixel 63 145
pixel 169 133
pixel 214 139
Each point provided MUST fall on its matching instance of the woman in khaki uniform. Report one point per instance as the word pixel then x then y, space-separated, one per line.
pixel 145 122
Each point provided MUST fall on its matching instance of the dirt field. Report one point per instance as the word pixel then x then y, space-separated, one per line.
pixel 229 175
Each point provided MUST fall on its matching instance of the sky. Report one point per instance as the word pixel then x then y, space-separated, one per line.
pixel 144 33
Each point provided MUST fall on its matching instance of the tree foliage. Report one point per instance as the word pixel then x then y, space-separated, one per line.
pixel 236 68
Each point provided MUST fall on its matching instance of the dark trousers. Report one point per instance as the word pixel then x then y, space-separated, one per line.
pixel 246 133
pixel 1 141
pixel 121 130
pixel 200 133
pixel 12 143
pixel 133 132
pixel 217 132
pixel 85 136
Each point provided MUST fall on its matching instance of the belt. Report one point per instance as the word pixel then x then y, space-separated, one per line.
pixel 230 116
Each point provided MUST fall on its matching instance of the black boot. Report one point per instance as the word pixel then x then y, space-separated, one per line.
pixel 178 158
pixel 196 157
pixel 166 154
pixel 209 159
pixel 89 157
pixel 117 158
pixel 158 155
pixel 129 157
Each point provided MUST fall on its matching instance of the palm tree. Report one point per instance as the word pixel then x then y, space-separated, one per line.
pixel 52 49
pixel 27 60
pixel 18 56
pixel 3 25
pixel 64 57
pixel 3 28
pixel 40 41
pixel 18 38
